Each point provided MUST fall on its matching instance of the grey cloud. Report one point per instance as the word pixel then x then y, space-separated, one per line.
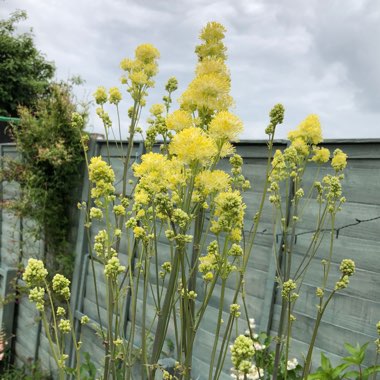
pixel 313 57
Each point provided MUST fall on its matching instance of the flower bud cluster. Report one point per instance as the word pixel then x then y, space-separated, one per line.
pixel 339 160
pixel 113 268
pixel 35 273
pixel 61 286
pixel 166 268
pixel 103 177
pixel 287 288
pixel 377 341
pixel 37 295
pixel 235 310
pixel 84 320
pixel 96 213
pixel 105 117
pixel 101 243
pixel 229 212
pixel 209 263
pixel 64 326
pixel 347 267
pixel 235 250
pixel 242 352
pixel 140 71
pixel 180 217
pixel 77 121
pixel 342 283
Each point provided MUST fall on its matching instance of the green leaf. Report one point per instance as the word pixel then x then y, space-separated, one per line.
pixel 351 375
pixel 339 370
pixel 371 370
pixel 351 360
pixel 351 349
pixel 325 362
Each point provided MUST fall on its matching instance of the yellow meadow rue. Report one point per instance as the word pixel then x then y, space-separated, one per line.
pixel 339 160
pixel 308 130
pixel 279 171
pixel 235 250
pixel 342 283
pixel 207 263
pixel 113 268
pixel 192 145
pixel 37 295
pixel 347 267
pixel 61 312
pixel 100 170
pixel 64 326
pixel 179 120
pixel 102 175
pixel 207 93
pixel 242 352
pixel 234 310
pixel 105 117
pixel 114 95
pixel 180 217
pixel 150 163
pixel 84 320
pixel 229 211
pixel 167 266
pixel 138 78
pixel 211 65
pixel 35 273
pixel 225 126
pixel 209 182
pixel 96 213
pixel 119 210
pixel 227 149
pixel 332 188
pixel 139 232
pixel 146 53
pixel 301 147
pixel 157 109
pixel 100 95
pixel 157 173
pixel 61 286
pixel 321 155
pixel 140 71
pixel 141 196
pixel 127 64
pixel 287 288
pixel 212 35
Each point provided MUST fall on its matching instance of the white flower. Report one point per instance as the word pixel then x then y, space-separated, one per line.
pixel 258 346
pixel 292 364
pixel 252 324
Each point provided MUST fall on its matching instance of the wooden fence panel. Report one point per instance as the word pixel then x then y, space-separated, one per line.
pixel 350 317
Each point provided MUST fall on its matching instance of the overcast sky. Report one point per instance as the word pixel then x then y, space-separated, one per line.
pixel 314 56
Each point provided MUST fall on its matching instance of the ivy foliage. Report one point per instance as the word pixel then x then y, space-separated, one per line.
pixel 48 171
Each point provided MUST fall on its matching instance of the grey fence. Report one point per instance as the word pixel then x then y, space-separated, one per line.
pixel 351 316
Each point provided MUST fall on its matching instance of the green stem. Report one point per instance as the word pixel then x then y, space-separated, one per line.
pixel 306 369
pixel 163 319
pixel 143 322
pixel 52 347
pixel 75 343
pixel 216 339
pixel 289 326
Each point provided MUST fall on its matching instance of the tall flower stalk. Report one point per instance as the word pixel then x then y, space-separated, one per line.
pixel 180 195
